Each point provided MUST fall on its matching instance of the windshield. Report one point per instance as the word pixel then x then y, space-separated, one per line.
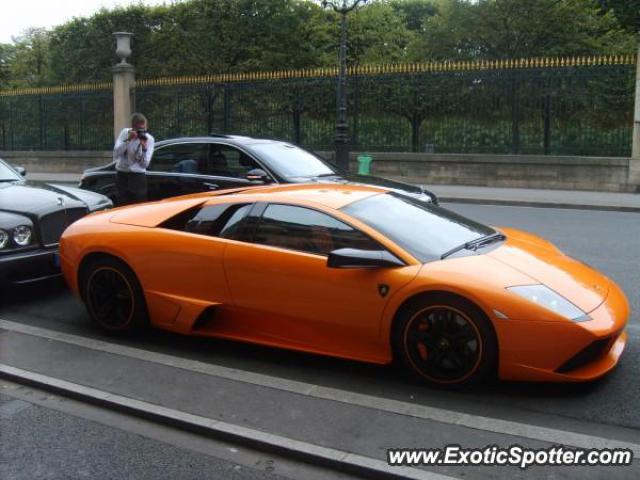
pixel 8 174
pixel 424 230
pixel 290 161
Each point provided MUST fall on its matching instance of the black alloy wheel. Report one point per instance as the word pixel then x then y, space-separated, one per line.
pixel 114 298
pixel 446 340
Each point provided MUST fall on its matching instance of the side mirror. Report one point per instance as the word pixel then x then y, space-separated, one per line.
pixel 354 258
pixel 258 175
pixel 21 170
pixel 433 198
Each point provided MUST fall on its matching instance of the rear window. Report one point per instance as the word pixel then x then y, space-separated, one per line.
pixel 211 220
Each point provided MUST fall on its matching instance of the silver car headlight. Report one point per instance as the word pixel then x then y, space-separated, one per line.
pixel 4 239
pixel 22 235
pixel 547 298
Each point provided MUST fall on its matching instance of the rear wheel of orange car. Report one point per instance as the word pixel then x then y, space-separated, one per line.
pixel 113 297
pixel 446 340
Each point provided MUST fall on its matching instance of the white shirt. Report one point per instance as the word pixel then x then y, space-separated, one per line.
pixel 129 154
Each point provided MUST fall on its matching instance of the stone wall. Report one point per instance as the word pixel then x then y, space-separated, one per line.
pixel 513 171
pixel 57 161
pixel 516 171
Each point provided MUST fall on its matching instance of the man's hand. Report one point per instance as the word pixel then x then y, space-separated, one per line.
pixel 132 135
pixel 144 144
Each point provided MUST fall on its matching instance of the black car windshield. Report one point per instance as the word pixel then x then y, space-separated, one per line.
pixel 8 174
pixel 290 161
pixel 424 230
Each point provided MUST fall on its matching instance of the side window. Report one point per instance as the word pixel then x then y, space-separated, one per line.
pixel 180 158
pixel 227 161
pixel 239 225
pixel 299 228
pixel 211 220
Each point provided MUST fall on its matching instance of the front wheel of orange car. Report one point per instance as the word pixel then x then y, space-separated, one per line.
pixel 445 340
pixel 113 297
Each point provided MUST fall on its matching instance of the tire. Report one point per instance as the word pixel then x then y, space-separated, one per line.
pixel 446 340
pixel 113 297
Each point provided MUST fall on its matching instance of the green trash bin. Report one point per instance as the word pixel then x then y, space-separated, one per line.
pixel 364 164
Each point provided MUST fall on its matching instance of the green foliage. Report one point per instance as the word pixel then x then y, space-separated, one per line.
pixel 218 36
pixel 414 12
pixel 626 11
pixel 7 54
pixel 194 37
pixel 377 34
pixel 27 61
pixel 499 29
pixel 82 50
pixel 492 111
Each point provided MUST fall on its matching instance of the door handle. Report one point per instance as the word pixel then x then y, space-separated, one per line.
pixel 211 186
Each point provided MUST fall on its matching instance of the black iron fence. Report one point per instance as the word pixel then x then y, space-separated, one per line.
pixel 577 106
pixel 78 117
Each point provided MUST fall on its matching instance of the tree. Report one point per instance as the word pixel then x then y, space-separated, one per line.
pixel 626 11
pixel 194 38
pixel 414 12
pixel 377 34
pixel 83 49
pixel 497 29
pixel 28 63
pixel 7 55
pixel 197 37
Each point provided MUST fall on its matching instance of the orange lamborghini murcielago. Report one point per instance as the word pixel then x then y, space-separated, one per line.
pixel 357 272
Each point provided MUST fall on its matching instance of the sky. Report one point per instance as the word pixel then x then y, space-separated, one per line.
pixel 18 15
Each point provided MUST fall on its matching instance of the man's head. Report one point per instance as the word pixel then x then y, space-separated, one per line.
pixel 138 121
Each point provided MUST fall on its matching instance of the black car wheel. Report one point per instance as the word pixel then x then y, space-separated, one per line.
pixel 446 340
pixel 113 297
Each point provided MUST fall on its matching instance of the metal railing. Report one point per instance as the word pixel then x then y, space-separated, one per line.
pixel 563 106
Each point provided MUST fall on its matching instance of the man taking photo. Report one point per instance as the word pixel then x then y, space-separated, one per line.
pixel 132 154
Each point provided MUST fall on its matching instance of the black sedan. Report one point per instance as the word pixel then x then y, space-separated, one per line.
pixel 189 165
pixel 32 219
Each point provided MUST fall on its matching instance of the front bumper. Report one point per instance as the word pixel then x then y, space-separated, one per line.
pixel 564 351
pixel 29 266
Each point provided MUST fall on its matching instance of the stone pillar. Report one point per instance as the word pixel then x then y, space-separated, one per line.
pixel 634 161
pixel 124 81
pixel 635 152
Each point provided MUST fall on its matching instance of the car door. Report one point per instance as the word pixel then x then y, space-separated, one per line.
pixel 229 165
pixel 182 266
pixel 182 168
pixel 285 293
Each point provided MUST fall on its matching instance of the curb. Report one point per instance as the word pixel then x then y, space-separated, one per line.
pixel 334 459
pixel 525 203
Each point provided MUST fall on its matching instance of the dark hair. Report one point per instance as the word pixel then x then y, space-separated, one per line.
pixel 137 118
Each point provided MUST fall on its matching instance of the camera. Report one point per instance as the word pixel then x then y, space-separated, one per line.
pixel 141 133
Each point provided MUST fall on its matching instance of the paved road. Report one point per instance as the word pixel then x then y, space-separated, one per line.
pixel 609 241
pixel 39 442
pixel 45 436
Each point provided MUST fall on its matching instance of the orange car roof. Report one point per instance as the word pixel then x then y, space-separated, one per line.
pixel 330 195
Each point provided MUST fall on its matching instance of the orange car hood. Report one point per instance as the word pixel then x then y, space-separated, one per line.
pixel 540 260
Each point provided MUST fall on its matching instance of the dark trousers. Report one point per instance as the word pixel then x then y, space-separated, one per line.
pixel 132 187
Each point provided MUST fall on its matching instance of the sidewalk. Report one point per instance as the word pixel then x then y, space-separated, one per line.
pixel 526 197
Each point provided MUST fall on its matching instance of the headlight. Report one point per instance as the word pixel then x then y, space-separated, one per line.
pixel 22 235
pixel 4 239
pixel 547 298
